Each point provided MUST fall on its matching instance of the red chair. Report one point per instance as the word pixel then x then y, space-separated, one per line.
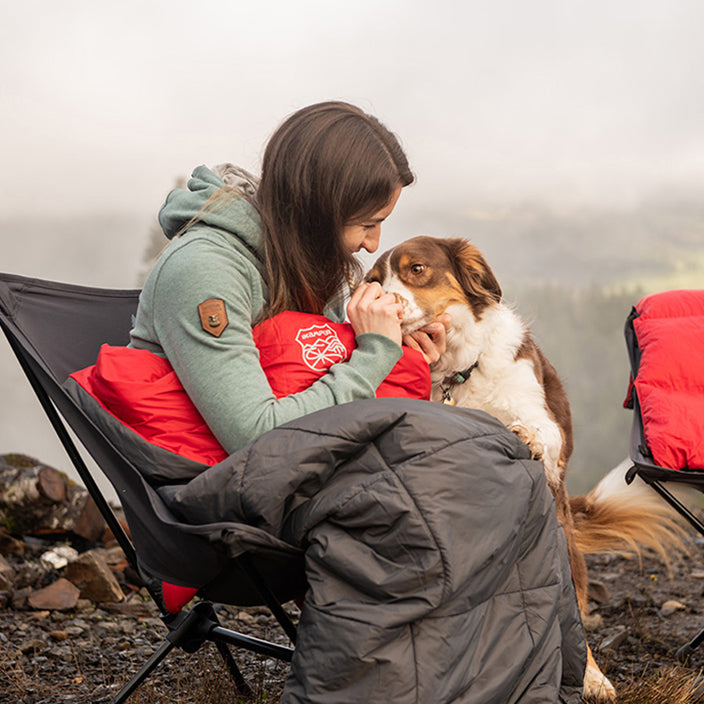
pixel 665 341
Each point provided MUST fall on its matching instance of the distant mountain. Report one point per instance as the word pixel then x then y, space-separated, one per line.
pixel 573 274
pixel 531 244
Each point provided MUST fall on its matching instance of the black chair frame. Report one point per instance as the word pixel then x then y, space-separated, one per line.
pixel 188 629
pixel 654 475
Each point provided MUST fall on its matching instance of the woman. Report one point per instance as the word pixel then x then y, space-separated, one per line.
pixel 331 175
pixel 414 589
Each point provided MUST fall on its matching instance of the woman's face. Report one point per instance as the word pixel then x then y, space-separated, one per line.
pixel 364 234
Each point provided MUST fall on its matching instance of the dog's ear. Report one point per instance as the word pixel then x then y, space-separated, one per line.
pixel 472 272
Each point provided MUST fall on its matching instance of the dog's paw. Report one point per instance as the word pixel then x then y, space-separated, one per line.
pixel 553 475
pixel 531 438
pixel 597 685
pixel 592 622
pixel 544 451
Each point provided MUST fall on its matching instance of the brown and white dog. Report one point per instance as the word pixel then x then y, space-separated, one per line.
pixel 493 364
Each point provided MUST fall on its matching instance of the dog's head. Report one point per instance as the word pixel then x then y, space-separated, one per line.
pixel 429 274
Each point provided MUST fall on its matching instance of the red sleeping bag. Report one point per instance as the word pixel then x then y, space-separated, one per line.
pixel 297 348
pixel 670 378
pixel 143 392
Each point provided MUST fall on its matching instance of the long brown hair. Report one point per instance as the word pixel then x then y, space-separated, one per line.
pixel 327 165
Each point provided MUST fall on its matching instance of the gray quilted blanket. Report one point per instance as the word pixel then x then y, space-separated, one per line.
pixel 436 569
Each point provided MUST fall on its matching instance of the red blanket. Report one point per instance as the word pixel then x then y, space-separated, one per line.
pixel 298 348
pixel 143 392
pixel 670 378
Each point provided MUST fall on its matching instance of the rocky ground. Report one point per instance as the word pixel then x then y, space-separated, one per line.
pixel 642 614
pixel 84 654
pixel 56 645
pixel 77 632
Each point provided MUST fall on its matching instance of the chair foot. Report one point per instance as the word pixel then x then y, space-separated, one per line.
pixel 164 649
pixel 686 650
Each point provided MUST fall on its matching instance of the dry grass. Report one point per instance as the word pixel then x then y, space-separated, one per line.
pixel 674 685
pixel 204 680
pixel 201 679
pixel 182 678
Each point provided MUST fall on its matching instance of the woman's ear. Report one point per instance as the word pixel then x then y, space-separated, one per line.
pixel 473 273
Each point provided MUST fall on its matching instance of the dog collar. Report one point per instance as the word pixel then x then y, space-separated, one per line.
pixel 454 380
pixel 460 377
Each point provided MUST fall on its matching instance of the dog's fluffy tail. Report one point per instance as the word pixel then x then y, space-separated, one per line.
pixel 616 517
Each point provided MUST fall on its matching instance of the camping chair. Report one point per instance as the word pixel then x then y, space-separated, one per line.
pixel 665 341
pixel 55 329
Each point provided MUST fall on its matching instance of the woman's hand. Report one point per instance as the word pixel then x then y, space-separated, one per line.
pixel 372 310
pixel 430 341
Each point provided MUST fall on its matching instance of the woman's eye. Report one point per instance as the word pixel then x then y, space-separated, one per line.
pixel 417 269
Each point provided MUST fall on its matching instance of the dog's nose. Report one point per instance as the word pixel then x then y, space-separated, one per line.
pixel 373 275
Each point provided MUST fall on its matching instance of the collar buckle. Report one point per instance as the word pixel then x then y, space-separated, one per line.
pixel 460 377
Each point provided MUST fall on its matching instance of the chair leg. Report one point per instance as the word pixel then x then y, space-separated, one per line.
pixel 164 649
pixel 189 630
pixel 678 506
pixel 268 596
pixel 240 684
pixel 686 650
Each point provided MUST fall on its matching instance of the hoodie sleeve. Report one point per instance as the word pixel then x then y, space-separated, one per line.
pixel 219 365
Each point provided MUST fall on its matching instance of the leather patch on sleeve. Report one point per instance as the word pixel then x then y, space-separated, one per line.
pixel 213 317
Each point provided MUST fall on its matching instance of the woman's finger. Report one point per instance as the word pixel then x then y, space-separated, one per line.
pixel 430 341
pixel 409 341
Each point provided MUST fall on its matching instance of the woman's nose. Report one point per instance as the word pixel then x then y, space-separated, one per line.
pixel 371 242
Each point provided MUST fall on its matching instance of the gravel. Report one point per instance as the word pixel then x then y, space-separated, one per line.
pixel 642 612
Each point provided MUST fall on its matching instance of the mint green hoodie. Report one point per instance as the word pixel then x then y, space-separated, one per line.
pixel 219 258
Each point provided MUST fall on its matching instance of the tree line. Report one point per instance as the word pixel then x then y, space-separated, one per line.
pixel 582 333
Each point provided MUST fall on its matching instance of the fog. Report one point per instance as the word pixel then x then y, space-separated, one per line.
pixel 105 104
pixel 573 108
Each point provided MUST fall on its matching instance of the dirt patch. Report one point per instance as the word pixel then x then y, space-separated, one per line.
pixel 642 616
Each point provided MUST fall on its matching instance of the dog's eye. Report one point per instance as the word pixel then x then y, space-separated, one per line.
pixel 417 269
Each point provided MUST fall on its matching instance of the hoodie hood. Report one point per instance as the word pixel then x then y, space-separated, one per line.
pixel 235 215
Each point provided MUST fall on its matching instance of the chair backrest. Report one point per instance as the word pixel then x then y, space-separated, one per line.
pixel 56 329
pixel 664 336
pixel 66 324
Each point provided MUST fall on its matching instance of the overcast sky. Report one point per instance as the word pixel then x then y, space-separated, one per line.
pixel 104 104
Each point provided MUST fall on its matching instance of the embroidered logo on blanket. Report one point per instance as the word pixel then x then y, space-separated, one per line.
pixel 321 346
